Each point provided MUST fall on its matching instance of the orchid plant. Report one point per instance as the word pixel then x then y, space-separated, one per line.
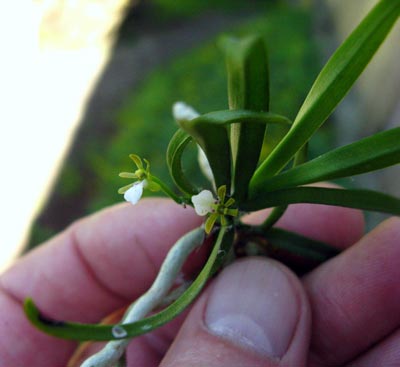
pixel 230 143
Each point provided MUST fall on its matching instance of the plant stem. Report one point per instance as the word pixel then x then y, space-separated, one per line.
pixel 169 192
pixel 114 350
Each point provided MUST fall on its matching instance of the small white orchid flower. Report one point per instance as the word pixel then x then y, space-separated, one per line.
pixel 204 202
pixel 134 194
pixel 183 112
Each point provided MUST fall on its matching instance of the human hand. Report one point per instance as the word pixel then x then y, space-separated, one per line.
pixel 256 313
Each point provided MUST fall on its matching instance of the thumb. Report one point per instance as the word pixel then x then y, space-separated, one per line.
pixel 254 314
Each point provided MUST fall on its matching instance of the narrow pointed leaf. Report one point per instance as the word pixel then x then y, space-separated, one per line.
pixel 372 153
pixel 299 253
pixel 82 332
pixel 332 85
pixel 300 245
pixel 248 88
pixel 359 199
pixel 175 150
pixel 227 117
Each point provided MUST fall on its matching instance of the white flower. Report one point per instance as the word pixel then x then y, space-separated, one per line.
pixel 204 202
pixel 183 112
pixel 134 194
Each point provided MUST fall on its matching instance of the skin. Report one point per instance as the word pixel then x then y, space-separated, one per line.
pixel 347 308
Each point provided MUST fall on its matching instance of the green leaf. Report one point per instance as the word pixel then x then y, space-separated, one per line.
pixel 227 117
pixel 360 199
pixel 332 85
pixel 369 154
pixel 213 139
pixel 82 332
pixel 299 245
pixel 211 132
pixel 273 135
pixel 248 88
pixel 299 253
pixel 175 150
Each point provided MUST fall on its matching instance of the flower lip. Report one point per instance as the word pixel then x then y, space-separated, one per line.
pixel 204 202
pixel 134 194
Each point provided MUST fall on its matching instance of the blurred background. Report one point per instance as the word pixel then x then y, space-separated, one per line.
pixel 84 83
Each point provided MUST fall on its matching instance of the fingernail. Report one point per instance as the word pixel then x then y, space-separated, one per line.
pixel 254 305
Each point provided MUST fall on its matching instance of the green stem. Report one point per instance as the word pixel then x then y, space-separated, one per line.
pixel 169 192
pixel 273 217
pixel 76 331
